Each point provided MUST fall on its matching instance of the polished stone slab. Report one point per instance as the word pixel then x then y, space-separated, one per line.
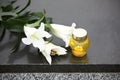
pixel 58 68
pixel 101 18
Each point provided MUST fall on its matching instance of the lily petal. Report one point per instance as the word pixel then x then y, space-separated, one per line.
pixel 42 26
pixel 46 34
pixel 29 31
pixel 59 50
pixel 74 25
pixel 39 43
pixel 47 56
pixel 26 41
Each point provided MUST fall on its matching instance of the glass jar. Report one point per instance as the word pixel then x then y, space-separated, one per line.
pixel 79 42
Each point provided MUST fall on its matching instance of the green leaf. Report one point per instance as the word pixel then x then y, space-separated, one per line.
pixel 0 18
pixel 9 14
pixel 7 8
pixel 38 17
pixel 24 16
pixel 27 17
pixel 38 14
pixel 14 25
pixel 17 44
pixel 2 31
pixel 28 3
pixel 31 17
pixel 0 14
pixel 17 24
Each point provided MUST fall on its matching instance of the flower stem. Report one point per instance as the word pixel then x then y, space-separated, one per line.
pixel 47 25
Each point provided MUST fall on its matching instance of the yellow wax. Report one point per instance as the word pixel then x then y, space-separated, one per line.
pixel 79 48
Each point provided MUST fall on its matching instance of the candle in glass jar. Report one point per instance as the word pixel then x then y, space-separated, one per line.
pixel 79 42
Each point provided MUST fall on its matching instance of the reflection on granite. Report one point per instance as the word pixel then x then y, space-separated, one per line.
pixel 60 76
pixel 76 60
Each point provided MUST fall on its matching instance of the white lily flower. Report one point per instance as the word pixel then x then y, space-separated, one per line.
pixel 63 32
pixel 35 36
pixel 52 49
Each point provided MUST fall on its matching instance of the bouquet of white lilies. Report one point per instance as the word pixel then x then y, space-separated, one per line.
pixel 35 36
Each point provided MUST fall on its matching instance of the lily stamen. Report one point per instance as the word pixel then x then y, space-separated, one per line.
pixel 53 52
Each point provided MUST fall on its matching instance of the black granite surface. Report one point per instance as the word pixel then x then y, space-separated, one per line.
pixel 58 68
pixel 101 18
